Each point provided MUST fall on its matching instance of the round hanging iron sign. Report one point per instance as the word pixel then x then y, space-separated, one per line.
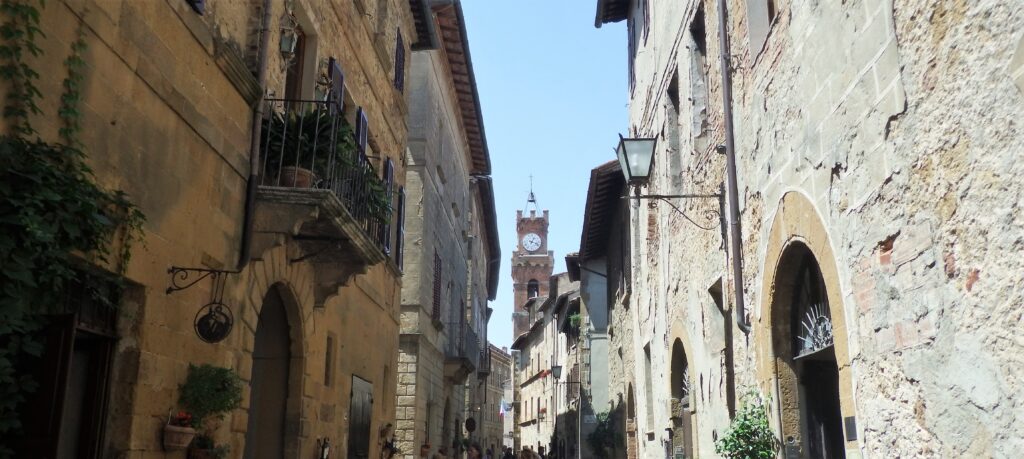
pixel 213 322
pixel 470 425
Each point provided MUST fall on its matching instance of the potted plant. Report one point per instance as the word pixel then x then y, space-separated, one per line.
pixel 749 435
pixel 178 432
pixel 304 149
pixel 208 393
pixel 205 448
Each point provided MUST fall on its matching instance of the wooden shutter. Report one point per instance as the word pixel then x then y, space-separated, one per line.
pixel 361 130
pixel 337 94
pixel 436 311
pixel 389 183
pixel 199 6
pixel 400 233
pixel 399 62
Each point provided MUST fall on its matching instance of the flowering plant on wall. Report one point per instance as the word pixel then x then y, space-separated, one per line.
pixel 182 419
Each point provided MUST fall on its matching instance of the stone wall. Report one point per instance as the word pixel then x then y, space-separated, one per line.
pixel 166 114
pixel 887 128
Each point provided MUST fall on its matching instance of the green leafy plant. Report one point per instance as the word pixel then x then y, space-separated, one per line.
pixel 316 140
pixel 575 320
pixel 52 213
pixel 210 391
pixel 749 436
pixel 210 449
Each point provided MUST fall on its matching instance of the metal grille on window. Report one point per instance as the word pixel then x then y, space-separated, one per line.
pixel 812 319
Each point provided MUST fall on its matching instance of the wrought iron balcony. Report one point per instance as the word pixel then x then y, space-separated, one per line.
pixel 318 186
pixel 462 351
pixel 484 368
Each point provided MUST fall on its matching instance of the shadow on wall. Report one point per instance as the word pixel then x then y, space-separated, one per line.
pixel 607 440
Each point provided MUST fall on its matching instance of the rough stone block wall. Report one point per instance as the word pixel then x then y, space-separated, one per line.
pixel 896 120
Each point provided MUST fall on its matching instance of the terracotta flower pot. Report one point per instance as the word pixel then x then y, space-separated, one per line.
pixel 177 438
pixel 297 177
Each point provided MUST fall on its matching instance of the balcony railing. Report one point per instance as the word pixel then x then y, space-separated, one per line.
pixel 484 368
pixel 309 144
pixel 463 344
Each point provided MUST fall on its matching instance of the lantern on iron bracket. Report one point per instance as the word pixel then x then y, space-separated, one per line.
pixel 214 320
pixel 289 36
pixel 636 158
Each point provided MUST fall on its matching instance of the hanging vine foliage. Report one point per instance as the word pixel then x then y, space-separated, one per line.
pixel 52 213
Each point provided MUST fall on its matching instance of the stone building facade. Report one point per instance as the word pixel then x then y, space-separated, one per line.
pixel 492 414
pixel 310 275
pixel 541 347
pixel 451 264
pixel 878 185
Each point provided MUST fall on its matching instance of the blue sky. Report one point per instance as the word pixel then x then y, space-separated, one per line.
pixel 553 96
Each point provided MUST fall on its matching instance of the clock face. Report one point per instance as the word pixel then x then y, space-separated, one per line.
pixel 531 242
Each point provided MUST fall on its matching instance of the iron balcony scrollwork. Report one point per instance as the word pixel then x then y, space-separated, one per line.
pixel 710 215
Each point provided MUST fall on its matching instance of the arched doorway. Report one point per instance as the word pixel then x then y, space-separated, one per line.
pixel 682 418
pixel 631 441
pixel 271 361
pixel 805 355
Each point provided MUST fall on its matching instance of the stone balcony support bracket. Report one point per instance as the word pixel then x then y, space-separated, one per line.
pixel 319 230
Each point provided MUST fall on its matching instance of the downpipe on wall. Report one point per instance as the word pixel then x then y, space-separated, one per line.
pixel 254 142
pixel 735 239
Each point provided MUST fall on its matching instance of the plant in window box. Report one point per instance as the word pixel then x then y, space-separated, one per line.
pixel 304 150
pixel 178 432
pixel 208 393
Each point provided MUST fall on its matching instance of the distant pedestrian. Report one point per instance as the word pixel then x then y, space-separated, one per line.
pixel 508 454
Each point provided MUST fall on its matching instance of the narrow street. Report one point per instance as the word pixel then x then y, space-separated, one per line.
pixel 270 229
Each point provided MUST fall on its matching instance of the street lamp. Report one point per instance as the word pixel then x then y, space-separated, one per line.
pixel 556 371
pixel 636 155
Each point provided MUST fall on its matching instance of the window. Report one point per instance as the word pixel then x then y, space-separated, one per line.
pixel 389 183
pixel 199 6
pixel 649 388
pixel 329 361
pixel 400 233
pixel 436 311
pixel 760 14
pixel 399 62
pixel 337 94
pixel 532 288
pixel 293 76
pixel 698 81
pixel 361 131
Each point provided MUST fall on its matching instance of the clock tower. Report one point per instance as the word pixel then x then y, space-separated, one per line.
pixel 532 262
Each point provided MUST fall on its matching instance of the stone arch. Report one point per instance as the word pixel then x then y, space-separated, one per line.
pixel 683 413
pixel 277 370
pixel 798 236
pixel 631 434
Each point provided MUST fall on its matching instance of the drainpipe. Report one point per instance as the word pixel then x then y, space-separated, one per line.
pixel 735 240
pixel 254 142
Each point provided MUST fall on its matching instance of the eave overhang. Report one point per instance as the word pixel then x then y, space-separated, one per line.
pixel 426 33
pixel 485 186
pixel 603 200
pixel 611 11
pixel 454 40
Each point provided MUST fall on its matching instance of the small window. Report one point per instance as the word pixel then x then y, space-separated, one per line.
pixel 337 94
pixel 199 6
pixel 329 362
pixel 532 288
pixel 361 130
pixel 293 76
pixel 400 233
pixel 399 62
pixel 436 310
pixel 389 183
